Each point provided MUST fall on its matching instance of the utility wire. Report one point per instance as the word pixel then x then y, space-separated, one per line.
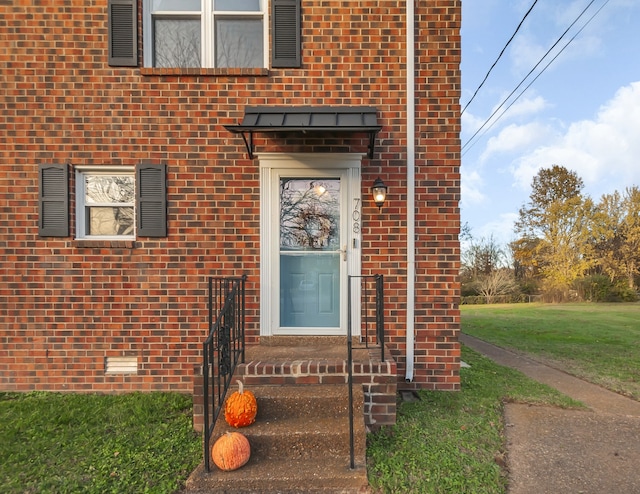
pixel 499 57
pixel 541 72
pixel 486 122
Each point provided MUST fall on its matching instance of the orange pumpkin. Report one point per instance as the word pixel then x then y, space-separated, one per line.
pixel 231 451
pixel 241 408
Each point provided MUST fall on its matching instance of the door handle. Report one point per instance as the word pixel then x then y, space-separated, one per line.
pixel 343 252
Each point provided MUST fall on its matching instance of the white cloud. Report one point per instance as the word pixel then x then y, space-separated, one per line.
pixel 471 185
pixel 521 108
pixel 525 53
pixel 517 137
pixel 470 123
pixel 526 106
pixel 604 152
pixel 501 229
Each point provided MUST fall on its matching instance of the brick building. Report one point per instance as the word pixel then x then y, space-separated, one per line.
pixel 149 145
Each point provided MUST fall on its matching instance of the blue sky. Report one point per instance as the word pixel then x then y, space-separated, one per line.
pixel 583 112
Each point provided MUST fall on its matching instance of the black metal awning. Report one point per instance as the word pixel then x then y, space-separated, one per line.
pixel 307 119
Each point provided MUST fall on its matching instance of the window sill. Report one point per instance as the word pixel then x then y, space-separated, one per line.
pixel 252 72
pixel 101 244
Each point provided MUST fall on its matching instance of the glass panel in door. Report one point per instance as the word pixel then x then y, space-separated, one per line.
pixel 310 253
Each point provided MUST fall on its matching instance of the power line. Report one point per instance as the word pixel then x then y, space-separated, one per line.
pixel 543 70
pixel 486 122
pixel 499 57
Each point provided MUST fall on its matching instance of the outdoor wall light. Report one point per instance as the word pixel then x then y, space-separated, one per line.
pixel 379 192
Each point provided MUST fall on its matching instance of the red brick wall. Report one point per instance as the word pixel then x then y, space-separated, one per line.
pixel 65 305
pixel 437 195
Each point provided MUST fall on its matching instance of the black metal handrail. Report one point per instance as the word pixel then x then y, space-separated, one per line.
pixel 366 313
pixel 223 348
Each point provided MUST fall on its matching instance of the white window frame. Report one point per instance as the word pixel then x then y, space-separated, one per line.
pixel 207 16
pixel 80 173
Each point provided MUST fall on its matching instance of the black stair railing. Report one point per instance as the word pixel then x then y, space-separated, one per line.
pixel 371 314
pixel 223 348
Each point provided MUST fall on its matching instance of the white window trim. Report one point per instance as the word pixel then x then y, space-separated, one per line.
pixel 80 205
pixel 207 25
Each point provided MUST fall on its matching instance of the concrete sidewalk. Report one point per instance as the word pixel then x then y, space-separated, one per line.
pixel 550 450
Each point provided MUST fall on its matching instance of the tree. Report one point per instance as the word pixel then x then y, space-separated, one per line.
pixel 525 261
pixel 485 269
pixel 554 228
pixel 465 232
pixel 482 257
pixel 549 186
pixel 617 245
pixel 565 246
pixel 497 283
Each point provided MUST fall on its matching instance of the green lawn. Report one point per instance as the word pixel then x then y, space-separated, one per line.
pixel 453 442
pixel 598 342
pixel 75 443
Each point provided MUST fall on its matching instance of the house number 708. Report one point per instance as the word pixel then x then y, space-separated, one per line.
pixel 356 216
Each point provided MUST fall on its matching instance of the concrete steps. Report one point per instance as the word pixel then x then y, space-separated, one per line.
pixel 299 443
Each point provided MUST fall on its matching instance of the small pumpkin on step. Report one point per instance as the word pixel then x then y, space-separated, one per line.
pixel 231 451
pixel 241 408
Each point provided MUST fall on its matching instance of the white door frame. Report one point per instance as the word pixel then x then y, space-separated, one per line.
pixel 272 165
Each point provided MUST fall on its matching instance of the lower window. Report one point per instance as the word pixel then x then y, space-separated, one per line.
pixel 105 203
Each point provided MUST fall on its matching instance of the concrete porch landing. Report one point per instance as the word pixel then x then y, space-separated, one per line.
pixel 305 348
pixel 280 360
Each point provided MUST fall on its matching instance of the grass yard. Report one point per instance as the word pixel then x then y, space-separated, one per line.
pixel 453 442
pixel 79 443
pixel 598 342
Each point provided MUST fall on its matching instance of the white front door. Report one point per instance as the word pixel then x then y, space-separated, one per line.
pixel 310 244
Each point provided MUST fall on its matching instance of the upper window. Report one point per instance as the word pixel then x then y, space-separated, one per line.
pixel 205 33
pixel 227 34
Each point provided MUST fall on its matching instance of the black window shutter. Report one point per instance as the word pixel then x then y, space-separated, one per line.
pixel 53 200
pixel 123 33
pixel 285 32
pixel 151 200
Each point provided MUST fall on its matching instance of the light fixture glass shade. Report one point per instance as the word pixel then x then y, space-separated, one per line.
pixel 379 192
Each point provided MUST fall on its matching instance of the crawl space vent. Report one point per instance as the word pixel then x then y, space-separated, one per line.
pixel 121 365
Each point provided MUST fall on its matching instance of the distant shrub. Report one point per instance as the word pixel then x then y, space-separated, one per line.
pixel 594 288
pixel 621 292
pixel 599 288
